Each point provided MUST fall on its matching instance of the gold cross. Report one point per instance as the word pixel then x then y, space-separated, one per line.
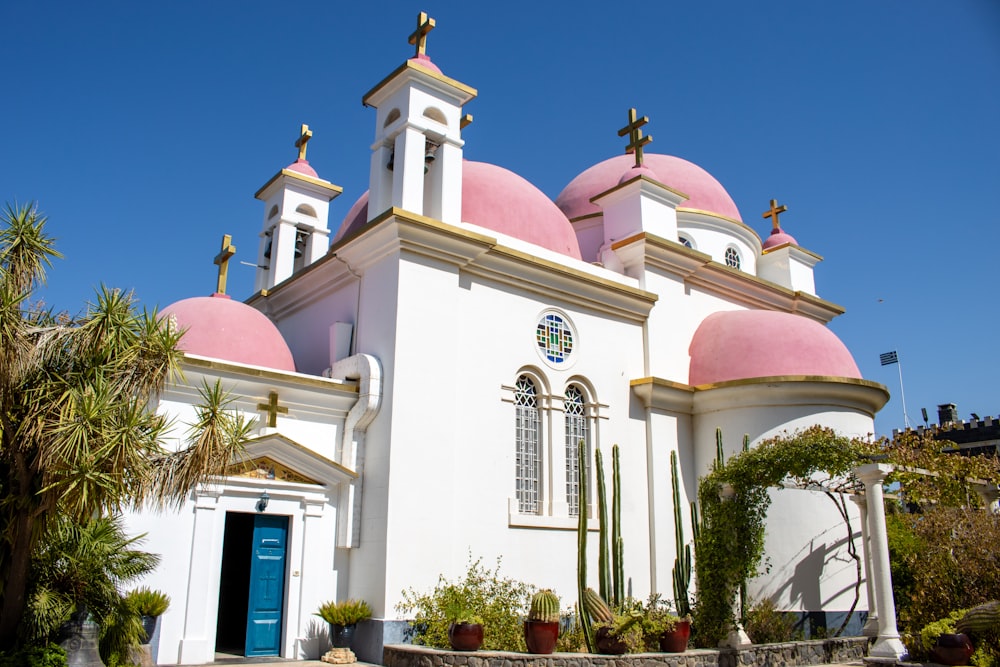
pixel 222 261
pixel 303 139
pixel 774 212
pixel 636 140
pixel 272 408
pixel 419 36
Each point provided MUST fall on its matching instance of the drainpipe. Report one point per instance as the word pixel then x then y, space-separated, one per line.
pixel 367 371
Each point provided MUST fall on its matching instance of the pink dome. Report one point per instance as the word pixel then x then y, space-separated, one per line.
pixel 425 61
pixel 497 199
pixel 218 327
pixel 740 344
pixel 704 192
pixel 778 237
pixel 303 167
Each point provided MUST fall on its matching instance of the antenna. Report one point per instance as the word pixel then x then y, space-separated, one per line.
pixel 256 266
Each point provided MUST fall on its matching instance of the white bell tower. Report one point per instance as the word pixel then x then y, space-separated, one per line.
pixel 417 155
pixel 296 213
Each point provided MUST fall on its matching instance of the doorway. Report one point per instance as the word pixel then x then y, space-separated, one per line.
pixel 251 585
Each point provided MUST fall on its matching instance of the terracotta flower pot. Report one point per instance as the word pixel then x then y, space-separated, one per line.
pixel 676 640
pixel 952 649
pixel 541 636
pixel 465 636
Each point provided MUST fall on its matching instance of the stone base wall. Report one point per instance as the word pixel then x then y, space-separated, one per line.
pixel 790 654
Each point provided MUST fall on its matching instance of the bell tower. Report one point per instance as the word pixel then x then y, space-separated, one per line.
pixel 296 213
pixel 417 154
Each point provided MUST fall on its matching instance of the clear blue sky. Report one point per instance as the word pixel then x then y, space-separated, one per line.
pixel 143 130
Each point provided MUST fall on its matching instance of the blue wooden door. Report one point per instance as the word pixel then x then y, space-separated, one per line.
pixel 267 585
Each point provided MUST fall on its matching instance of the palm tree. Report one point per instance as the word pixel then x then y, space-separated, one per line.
pixel 77 435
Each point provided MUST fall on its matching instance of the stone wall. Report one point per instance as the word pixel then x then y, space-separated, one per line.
pixel 788 654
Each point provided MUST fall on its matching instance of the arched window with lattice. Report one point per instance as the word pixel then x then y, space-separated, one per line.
pixel 527 435
pixel 577 436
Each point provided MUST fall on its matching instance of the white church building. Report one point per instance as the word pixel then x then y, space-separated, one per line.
pixel 424 370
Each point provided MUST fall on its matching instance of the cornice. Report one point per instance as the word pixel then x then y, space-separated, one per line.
pixel 697 269
pixel 461 91
pixel 315 183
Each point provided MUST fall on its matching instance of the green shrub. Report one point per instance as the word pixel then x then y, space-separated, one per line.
pixel 766 625
pixel 920 645
pixel 148 602
pixel 499 602
pixel 947 559
pixel 51 655
pixel 345 612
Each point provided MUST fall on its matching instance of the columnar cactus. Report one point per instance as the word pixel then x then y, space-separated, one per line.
pixel 617 544
pixel 603 563
pixel 544 607
pixel 682 561
pixel 581 551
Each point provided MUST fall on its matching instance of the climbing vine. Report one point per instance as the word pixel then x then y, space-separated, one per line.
pixel 734 501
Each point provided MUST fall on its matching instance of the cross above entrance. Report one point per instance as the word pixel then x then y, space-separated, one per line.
pixel 222 261
pixel 273 409
pixel 304 137
pixel 419 36
pixel 774 212
pixel 634 132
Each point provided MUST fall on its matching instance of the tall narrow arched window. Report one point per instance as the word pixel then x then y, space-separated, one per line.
pixel 577 435
pixel 527 435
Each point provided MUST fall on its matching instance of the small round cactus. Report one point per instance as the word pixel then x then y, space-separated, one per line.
pixel 544 607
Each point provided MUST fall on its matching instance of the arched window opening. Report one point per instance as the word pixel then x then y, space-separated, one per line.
pixel 273 212
pixel 577 436
pixel 527 445
pixel 390 117
pixel 306 209
pixel 732 257
pixel 435 114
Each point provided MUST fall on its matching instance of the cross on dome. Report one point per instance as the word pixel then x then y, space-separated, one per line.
pixel 304 137
pixel 419 36
pixel 222 261
pixel 774 212
pixel 634 132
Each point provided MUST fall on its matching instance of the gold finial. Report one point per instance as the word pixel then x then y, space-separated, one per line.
pixel 222 261
pixel 636 140
pixel 774 212
pixel 272 408
pixel 419 36
pixel 304 137
pixel 465 122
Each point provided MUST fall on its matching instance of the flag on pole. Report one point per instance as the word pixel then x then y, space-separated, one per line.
pixel 888 358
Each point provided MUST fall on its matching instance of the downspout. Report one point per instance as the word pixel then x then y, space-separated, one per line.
pixel 367 371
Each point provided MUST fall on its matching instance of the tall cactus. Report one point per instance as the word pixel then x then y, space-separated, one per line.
pixel 603 562
pixel 682 560
pixel 581 550
pixel 617 544
pixel 718 446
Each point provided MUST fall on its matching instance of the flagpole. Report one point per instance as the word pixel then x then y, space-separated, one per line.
pixel 902 395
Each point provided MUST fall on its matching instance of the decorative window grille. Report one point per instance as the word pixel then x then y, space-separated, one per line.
pixel 577 434
pixel 526 435
pixel 732 258
pixel 685 241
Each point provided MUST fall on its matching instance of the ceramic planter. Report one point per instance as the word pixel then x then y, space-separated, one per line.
pixel 342 635
pixel 607 643
pixel 541 636
pixel 465 636
pixel 676 640
pixel 952 649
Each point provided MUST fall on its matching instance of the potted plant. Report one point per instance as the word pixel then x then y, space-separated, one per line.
pixel 613 633
pixel 541 629
pixel 465 629
pixel 343 616
pixel 663 630
pixel 150 605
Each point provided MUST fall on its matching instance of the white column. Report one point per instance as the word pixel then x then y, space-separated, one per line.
pixel 737 637
pixel 871 625
pixel 282 252
pixel 887 644
pixel 310 647
pixel 195 645
pixel 408 171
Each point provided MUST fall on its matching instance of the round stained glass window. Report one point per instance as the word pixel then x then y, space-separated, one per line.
pixel 555 338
